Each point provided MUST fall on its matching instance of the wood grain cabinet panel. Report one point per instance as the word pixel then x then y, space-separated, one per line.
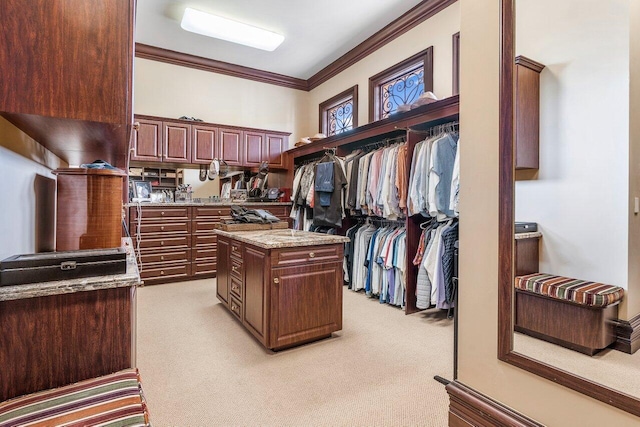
pixel 274 146
pixel 231 146
pixel 147 141
pixel 223 279
pixel 254 143
pixel 176 142
pixel 527 113
pixel 204 140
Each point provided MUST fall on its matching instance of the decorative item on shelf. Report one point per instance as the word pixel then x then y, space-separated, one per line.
pixel 183 193
pixel 426 98
pixel 192 119
pixel 317 137
pixel 302 141
pixel 404 107
pixel 142 190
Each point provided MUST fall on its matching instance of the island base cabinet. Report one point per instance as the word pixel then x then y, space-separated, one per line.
pixel 306 303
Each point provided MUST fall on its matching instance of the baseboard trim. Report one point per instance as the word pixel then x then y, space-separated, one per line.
pixel 628 335
pixel 468 407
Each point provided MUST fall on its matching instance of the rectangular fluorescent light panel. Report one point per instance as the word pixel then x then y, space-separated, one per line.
pixel 222 28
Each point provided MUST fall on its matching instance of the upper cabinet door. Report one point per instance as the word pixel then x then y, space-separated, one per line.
pixel 273 149
pixel 176 142
pixel 231 146
pixel 203 141
pixel 253 148
pixel 146 142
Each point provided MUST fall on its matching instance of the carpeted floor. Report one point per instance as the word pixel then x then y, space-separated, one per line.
pixel 200 367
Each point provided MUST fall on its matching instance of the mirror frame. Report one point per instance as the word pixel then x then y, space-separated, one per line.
pixel 506 195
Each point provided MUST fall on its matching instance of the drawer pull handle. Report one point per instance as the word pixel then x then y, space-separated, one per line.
pixel 162 243
pixel 162 213
pixel 234 249
pixel 235 288
pixel 162 272
pixel 162 258
pixel 276 280
pixel 162 228
pixel 234 307
pixel 234 268
pixel 312 255
pixel 219 212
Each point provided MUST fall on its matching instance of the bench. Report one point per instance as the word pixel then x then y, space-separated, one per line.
pixel 573 313
pixel 114 399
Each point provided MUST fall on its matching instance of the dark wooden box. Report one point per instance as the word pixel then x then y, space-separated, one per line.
pixel 64 265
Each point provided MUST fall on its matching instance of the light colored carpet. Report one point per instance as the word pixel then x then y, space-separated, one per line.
pixel 200 367
pixel 615 369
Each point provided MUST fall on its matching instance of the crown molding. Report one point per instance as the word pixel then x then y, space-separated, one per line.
pixel 420 13
pixel 199 63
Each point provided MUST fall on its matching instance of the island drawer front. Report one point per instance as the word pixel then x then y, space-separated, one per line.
pixel 155 256
pixel 236 269
pixel 152 213
pixel 236 307
pixel 204 268
pixel 236 288
pixel 204 253
pixel 236 250
pixel 211 212
pixel 202 227
pixel 167 242
pixel 310 254
pixel 205 239
pixel 153 228
pixel 163 271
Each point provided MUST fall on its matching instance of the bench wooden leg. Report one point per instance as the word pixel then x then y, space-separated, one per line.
pixel 578 327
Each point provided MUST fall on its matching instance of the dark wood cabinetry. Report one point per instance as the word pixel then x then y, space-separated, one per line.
pixel 231 146
pixel 527 255
pixel 274 146
pixel 178 242
pixel 527 113
pixel 284 297
pixel 66 70
pixel 176 142
pixel 253 148
pixel 204 140
pixel 146 143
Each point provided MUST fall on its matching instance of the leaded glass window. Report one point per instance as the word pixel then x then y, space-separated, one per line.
pixel 401 84
pixel 340 113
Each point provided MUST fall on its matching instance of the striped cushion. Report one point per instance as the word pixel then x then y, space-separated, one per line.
pixel 111 400
pixel 582 292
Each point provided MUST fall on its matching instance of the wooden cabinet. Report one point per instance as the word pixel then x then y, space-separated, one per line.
pixel 231 146
pixel 204 140
pixel 254 144
pixel 204 255
pixel 527 113
pixel 274 147
pixel 165 242
pixel 282 303
pixel 527 255
pixel 66 70
pixel 176 142
pixel 147 141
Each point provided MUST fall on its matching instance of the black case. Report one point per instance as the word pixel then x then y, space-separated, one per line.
pixel 526 227
pixel 64 265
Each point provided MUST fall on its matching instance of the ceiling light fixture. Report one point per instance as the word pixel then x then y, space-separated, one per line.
pixel 222 28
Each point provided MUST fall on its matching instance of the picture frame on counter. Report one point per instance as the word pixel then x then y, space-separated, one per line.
pixel 142 189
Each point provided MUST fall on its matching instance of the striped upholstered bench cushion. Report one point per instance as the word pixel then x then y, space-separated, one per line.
pixel 582 292
pixel 111 400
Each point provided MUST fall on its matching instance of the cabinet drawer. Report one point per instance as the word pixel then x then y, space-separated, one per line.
pixel 203 227
pixel 153 228
pixel 236 307
pixel 211 212
pixel 204 253
pixel 166 242
pixel 236 288
pixel 202 268
pixel 236 269
pixel 205 239
pixel 311 254
pixel 160 256
pixel 153 213
pixel 236 250
pixel 165 271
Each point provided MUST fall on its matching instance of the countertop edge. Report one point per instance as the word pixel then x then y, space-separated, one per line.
pixel 242 237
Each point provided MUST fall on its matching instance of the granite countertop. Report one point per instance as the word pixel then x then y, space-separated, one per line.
pixel 272 239
pixel 211 204
pixel 41 289
pixel 532 235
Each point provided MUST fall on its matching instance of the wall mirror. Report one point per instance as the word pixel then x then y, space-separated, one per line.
pixel 582 193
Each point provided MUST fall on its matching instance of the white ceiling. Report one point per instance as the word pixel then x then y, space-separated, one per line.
pixel 317 32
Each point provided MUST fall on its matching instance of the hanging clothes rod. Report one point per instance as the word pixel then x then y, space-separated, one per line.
pixel 383 143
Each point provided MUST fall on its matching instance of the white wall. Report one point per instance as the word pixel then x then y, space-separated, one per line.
pixel 580 196
pixel 436 31
pixel 167 90
pixel 21 159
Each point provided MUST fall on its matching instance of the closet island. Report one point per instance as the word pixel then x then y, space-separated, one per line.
pixel 284 286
